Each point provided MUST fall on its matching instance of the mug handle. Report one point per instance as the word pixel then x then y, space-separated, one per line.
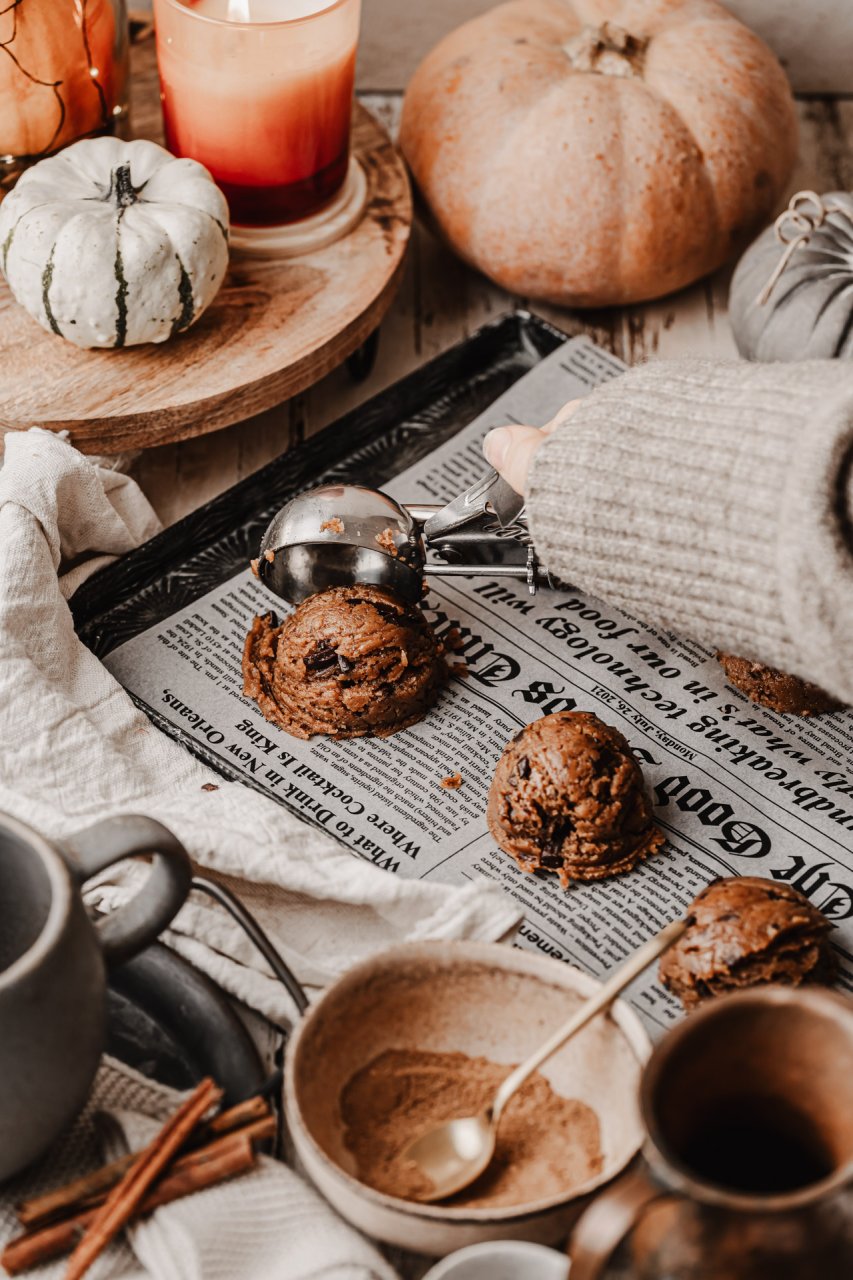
pixel 131 927
pixel 604 1225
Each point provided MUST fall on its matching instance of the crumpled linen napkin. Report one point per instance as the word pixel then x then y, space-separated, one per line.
pixel 265 1225
pixel 74 748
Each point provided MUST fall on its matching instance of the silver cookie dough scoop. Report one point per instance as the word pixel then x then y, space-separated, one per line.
pixel 339 535
pixel 342 535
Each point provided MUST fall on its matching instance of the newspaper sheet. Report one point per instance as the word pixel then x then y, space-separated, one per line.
pixel 737 790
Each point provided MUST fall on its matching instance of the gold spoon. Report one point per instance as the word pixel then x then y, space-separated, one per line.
pixel 458 1151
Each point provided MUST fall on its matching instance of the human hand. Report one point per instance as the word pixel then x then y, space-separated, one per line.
pixel 510 450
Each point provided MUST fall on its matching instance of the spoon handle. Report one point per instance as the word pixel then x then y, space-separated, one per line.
pixel 606 994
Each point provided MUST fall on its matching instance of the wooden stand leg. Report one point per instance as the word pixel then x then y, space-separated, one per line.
pixel 360 363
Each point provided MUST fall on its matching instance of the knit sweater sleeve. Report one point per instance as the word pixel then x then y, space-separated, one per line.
pixel 715 500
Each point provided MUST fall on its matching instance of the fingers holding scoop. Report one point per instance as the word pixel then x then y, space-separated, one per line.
pixel 510 450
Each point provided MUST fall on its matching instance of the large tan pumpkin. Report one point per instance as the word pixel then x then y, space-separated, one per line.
pixel 593 152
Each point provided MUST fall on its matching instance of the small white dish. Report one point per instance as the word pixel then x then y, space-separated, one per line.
pixel 502 1260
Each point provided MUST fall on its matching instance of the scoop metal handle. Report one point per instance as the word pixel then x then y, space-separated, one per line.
pixel 606 994
pixel 490 493
pixel 338 535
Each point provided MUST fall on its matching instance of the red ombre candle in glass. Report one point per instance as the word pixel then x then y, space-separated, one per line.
pixel 260 92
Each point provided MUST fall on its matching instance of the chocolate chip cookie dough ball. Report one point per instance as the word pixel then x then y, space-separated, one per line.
pixel 775 689
pixel 348 662
pixel 745 932
pixel 568 796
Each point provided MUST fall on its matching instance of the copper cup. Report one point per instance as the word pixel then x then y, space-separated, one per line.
pixel 748 1156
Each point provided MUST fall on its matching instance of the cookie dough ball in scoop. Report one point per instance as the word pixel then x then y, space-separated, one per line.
pixel 568 796
pixel 744 932
pixel 348 662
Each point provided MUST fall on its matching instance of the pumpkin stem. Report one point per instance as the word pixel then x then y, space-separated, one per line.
pixel 607 50
pixel 121 187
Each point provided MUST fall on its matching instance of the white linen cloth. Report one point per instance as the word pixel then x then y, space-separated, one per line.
pixel 74 748
pixel 264 1225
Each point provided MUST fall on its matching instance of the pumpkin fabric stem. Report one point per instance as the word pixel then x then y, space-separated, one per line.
pixel 122 188
pixel 607 50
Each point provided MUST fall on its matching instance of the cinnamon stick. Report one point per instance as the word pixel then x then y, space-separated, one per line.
pixel 225 1158
pixel 91 1188
pixel 257 1131
pixel 124 1199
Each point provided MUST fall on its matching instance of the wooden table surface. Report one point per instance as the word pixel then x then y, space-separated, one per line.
pixel 440 302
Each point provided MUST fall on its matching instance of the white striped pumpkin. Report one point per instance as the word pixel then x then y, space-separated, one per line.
pixel 112 243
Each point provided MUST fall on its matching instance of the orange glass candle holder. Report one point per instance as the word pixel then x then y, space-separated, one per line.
pixel 64 76
pixel 260 92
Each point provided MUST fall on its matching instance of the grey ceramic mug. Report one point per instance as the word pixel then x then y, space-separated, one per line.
pixel 52 966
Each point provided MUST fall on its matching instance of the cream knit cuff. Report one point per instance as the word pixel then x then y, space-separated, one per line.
pixel 709 499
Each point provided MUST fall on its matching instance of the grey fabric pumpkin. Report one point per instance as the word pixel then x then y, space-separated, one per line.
pixel 808 312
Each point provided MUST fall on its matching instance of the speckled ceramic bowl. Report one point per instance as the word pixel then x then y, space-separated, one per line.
pixel 480 999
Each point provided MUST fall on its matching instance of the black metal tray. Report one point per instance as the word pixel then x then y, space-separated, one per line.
pixel 173 1024
pixel 165 1018
pixel 369 445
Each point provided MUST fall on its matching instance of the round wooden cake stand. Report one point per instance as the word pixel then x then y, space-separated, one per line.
pixel 276 326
